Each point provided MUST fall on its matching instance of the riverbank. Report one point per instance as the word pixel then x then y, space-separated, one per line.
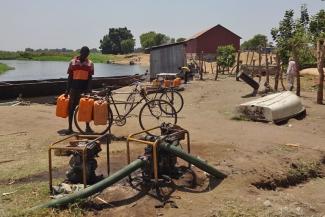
pixel 137 58
pixel 4 68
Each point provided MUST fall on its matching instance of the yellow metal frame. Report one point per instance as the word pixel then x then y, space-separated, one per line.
pixel 154 145
pixel 82 150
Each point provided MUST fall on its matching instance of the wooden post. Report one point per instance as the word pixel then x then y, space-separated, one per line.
pixel 201 66
pixel 277 72
pixel 247 57
pixel 296 59
pixel 252 58
pixel 281 77
pixel 217 72
pixel 267 68
pixel 320 67
pixel 253 69
pixel 237 67
pixel 259 64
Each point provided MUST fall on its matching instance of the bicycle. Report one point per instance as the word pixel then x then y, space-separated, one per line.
pixel 151 114
pixel 170 94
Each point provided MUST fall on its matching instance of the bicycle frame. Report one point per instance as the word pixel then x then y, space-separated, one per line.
pixel 111 100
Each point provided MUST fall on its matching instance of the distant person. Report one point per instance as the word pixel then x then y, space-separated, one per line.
pixel 185 71
pixel 291 73
pixel 147 76
pixel 80 72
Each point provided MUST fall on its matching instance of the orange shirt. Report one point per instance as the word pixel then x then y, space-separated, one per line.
pixel 80 72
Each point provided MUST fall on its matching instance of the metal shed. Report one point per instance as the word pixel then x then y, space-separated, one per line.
pixel 167 58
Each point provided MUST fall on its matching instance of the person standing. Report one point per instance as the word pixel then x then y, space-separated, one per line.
pixel 185 70
pixel 80 73
pixel 291 73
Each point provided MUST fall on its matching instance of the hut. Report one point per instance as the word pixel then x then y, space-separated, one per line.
pixel 167 58
pixel 207 42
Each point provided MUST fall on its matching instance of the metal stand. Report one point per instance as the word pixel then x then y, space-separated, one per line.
pixel 66 144
pixel 154 145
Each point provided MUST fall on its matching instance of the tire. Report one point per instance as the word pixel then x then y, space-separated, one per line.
pixel 174 98
pixel 152 115
pixel 130 99
pixel 95 129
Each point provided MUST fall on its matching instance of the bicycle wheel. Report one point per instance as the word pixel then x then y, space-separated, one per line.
pixel 93 129
pixel 174 98
pixel 130 101
pixel 155 112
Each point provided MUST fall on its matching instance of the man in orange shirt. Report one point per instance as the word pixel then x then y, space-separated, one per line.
pixel 80 72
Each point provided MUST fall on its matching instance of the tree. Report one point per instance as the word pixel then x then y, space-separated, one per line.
pixel 255 42
pixel 317 31
pixel 282 34
pixel 304 16
pixel 147 39
pixel 180 39
pixel 150 39
pixel 226 56
pixel 111 43
pixel 317 25
pixel 127 46
pixel 161 39
pixel 292 39
pixel 29 49
pixel 320 67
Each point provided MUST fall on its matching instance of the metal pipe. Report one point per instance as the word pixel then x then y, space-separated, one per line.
pixel 99 186
pixel 191 159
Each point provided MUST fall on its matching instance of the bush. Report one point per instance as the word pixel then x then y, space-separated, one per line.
pixel 226 56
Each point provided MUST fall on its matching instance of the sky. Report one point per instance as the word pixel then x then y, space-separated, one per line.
pixel 73 24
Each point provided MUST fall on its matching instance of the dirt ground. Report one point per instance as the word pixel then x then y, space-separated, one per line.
pixel 273 170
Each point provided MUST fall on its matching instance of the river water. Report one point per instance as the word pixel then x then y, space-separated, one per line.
pixel 38 70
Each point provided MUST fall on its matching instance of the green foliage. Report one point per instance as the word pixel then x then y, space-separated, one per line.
pixel 112 42
pixel 26 55
pixel 317 25
pixel 127 46
pixel 226 56
pixel 4 68
pixel 180 39
pixel 304 16
pixel 56 56
pixel 254 43
pixel 150 39
pixel 292 39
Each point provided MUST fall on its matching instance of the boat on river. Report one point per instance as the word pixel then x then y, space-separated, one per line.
pixel 50 87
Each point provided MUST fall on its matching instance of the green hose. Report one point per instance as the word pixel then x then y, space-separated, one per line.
pixel 191 159
pixel 127 170
pixel 99 186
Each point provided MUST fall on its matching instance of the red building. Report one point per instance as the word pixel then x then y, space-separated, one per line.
pixel 209 40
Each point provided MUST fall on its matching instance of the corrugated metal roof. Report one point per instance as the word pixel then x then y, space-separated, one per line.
pixel 206 30
pixel 163 45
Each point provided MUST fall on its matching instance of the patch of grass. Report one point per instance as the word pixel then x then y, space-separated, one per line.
pixel 240 118
pixel 4 68
pixel 298 173
pixel 305 170
pixel 238 209
pixel 28 195
pixel 57 56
